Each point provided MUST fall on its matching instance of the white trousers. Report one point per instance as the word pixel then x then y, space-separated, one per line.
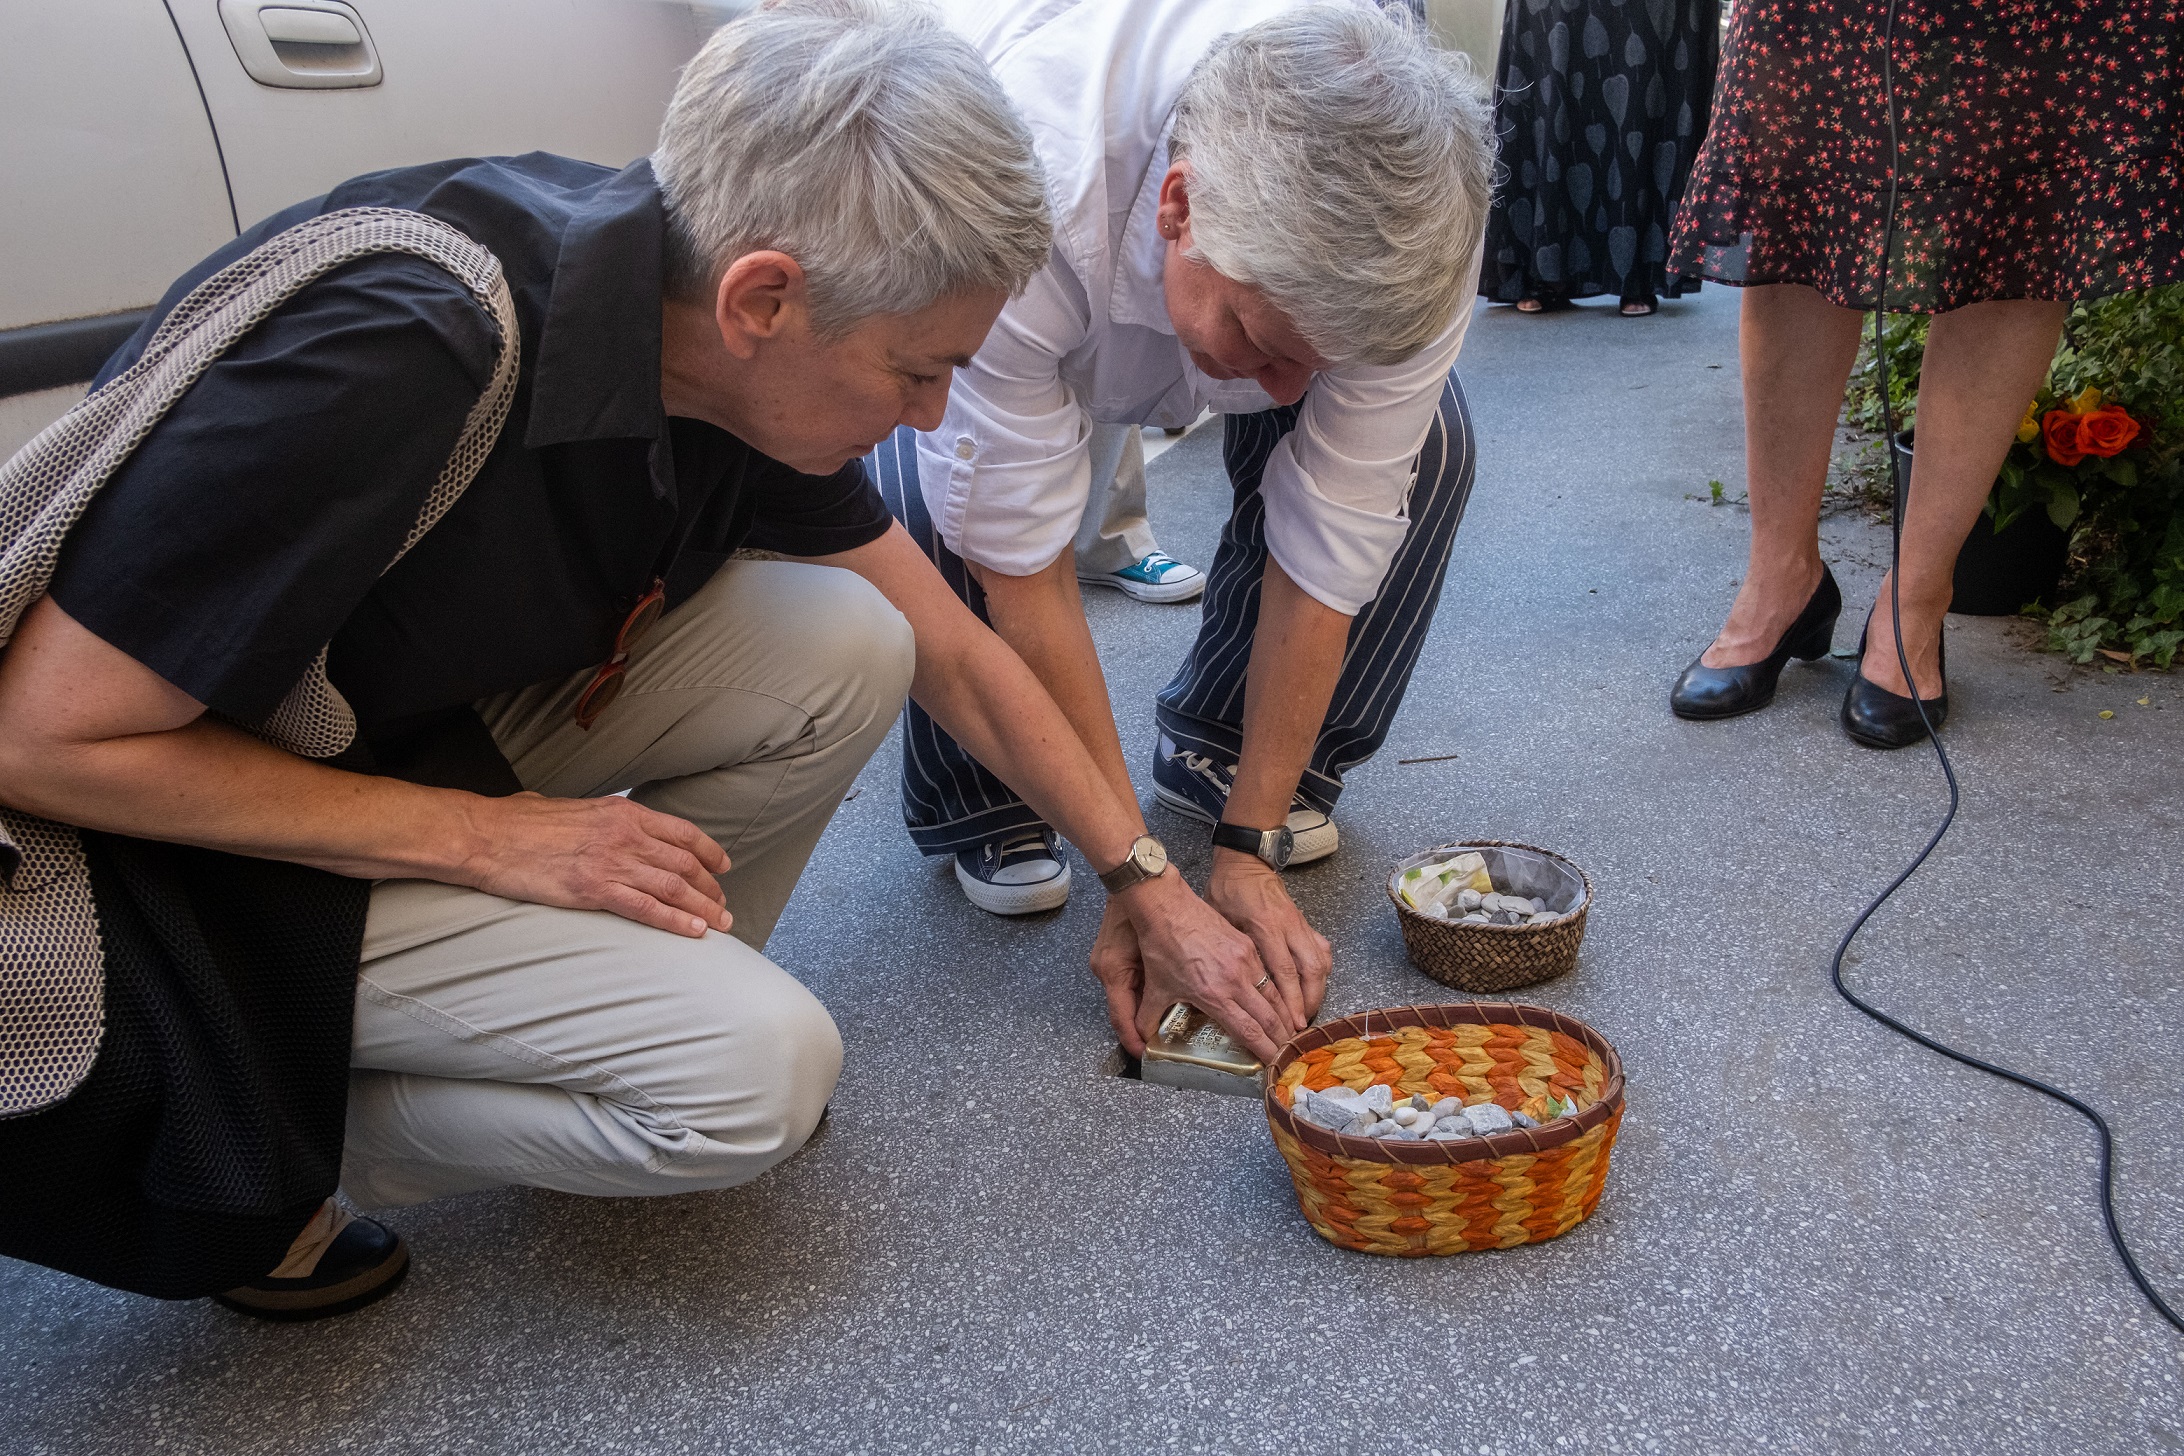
pixel 506 1043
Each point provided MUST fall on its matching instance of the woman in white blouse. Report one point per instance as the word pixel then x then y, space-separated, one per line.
pixel 1272 210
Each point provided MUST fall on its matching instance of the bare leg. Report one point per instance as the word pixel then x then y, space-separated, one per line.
pixel 1797 350
pixel 1983 363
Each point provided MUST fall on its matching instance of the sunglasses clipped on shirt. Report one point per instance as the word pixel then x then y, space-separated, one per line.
pixel 606 684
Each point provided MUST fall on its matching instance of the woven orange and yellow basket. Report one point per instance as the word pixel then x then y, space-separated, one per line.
pixel 1411 1199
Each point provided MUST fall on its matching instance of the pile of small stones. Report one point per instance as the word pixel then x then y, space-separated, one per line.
pixel 1473 908
pixel 1376 1113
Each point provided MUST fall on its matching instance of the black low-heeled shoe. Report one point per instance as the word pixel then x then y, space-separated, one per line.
pixel 1704 692
pixel 364 1263
pixel 1878 718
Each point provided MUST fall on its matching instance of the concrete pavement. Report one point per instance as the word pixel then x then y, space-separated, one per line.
pixel 1815 1237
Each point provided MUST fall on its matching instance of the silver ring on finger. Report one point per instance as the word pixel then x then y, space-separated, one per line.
pixel 1261 982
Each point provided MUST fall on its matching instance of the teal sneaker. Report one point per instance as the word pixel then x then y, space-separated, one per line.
pixel 1154 577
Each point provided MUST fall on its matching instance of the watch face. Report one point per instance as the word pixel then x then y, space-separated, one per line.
pixel 1151 855
pixel 1285 844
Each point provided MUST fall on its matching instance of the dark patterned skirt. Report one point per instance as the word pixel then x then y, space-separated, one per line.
pixel 2040 151
pixel 1600 105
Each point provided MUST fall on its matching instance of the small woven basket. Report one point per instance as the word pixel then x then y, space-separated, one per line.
pixel 1411 1199
pixel 1484 959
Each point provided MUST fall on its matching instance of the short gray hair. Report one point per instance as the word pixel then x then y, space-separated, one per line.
pixel 1341 164
pixel 863 140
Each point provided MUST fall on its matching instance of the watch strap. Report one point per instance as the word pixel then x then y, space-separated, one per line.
pixel 1240 839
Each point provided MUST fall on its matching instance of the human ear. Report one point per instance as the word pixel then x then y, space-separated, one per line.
pixel 760 297
pixel 1175 204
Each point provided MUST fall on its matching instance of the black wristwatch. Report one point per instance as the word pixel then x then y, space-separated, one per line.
pixel 1272 845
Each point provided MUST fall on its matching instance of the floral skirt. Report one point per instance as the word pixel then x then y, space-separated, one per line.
pixel 2040 151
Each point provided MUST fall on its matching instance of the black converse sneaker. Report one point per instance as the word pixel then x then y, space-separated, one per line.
pixel 1020 873
pixel 1196 786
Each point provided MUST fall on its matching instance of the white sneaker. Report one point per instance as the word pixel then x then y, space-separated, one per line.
pixel 1153 577
pixel 1020 875
pixel 1312 835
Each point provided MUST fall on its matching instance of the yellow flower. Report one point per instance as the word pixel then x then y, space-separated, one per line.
pixel 2028 428
pixel 2085 401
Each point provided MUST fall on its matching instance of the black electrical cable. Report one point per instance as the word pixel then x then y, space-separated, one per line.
pixel 1948 770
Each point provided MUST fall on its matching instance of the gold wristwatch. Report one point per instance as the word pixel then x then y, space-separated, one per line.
pixel 1147 859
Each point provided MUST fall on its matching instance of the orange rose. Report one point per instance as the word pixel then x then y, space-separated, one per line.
pixel 2059 432
pixel 2105 432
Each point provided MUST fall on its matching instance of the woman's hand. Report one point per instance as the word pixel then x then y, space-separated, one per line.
pixel 598 854
pixel 1120 967
pixel 1187 952
pixel 1250 893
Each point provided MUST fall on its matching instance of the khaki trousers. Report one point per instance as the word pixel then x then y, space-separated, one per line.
pixel 1113 532
pixel 501 1043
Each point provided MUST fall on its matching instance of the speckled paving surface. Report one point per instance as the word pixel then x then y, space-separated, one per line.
pixel 1815 1238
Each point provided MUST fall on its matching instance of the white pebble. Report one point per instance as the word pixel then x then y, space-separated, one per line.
pixel 1406 1114
pixel 1468 899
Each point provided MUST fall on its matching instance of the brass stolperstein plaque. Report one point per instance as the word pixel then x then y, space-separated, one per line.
pixel 1189 1049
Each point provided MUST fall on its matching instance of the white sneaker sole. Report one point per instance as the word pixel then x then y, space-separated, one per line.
pixel 1305 846
pixel 1015 899
pixel 1180 592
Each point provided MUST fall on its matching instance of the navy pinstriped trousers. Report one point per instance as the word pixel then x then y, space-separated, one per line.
pixel 951 802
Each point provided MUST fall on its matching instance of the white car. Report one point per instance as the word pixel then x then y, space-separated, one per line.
pixel 138 135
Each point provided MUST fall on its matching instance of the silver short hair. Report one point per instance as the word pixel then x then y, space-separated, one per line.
pixel 1341 164
pixel 863 140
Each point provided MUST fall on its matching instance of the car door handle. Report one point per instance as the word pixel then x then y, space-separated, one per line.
pixel 306 45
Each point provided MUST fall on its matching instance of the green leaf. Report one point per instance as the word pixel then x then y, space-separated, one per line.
pixel 2062 506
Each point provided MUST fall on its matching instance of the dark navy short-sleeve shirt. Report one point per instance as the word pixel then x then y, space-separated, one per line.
pixel 252 526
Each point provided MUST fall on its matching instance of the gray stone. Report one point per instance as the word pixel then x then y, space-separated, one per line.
pixel 1346 1098
pixel 1488 1117
pixel 1418 1100
pixel 1468 900
pixel 1400 1135
pixel 1379 1098
pixel 1324 1111
pixel 1385 1127
pixel 1454 1129
pixel 1361 1125
pixel 1508 917
pixel 1521 1120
